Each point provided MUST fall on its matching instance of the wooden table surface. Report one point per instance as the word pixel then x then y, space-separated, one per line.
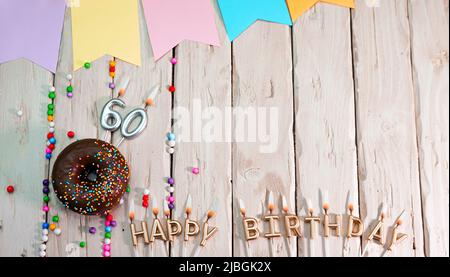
pixel 363 103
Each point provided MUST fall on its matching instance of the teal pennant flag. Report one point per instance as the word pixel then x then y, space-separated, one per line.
pixel 238 15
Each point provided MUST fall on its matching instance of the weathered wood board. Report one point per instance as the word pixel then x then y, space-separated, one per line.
pixel 385 122
pixel 203 84
pixel 146 155
pixel 429 45
pixel 23 164
pixel 325 121
pixel 262 90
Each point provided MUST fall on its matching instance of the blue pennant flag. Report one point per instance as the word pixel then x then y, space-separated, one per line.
pixel 238 15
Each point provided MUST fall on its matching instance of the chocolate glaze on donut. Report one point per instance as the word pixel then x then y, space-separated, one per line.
pixel 90 176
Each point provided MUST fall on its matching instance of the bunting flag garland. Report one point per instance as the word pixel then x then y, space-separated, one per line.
pixel 238 15
pixel 299 7
pixel 101 27
pixel 31 30
pixel 169 22
pixel 105 27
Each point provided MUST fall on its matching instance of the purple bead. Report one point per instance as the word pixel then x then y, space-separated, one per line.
pixel 46 190
pixel 92 230
pixel 171 206
pixel 46 182
pixel 113 223
pixel 70 94
pixel 170 181
pixel 112 85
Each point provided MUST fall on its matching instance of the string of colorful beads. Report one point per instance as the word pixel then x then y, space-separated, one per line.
pixel 171 190
pixel 172 88
pixel 51 141
pixel 112 68
pixel 69 88
pixel 145 198
pixel 109 224
pixel 171 143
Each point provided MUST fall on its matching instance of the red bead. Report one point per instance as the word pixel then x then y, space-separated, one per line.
pixel 145 204
pixel 70 134
pixel 112 69
pixel 109 217
pixel 10 189
pixel 49 135
pixel 172 89
pixel 145 197
pixel 51 146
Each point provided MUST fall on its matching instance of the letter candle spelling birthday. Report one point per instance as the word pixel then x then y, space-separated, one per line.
pixel 243 212
pixel 397 237
pixel 377 232
pixel 273 233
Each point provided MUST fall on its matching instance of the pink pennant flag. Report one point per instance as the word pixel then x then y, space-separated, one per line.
pixel 169 22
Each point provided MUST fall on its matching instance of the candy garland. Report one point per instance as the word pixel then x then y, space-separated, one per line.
pixel 51 142
pixel 109 220
pixel 69 88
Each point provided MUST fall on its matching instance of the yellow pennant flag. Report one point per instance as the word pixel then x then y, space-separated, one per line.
pixel 102 27
pixel 299 7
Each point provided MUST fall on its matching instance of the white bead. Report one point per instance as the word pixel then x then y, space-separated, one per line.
pixel 107 241
pixel 170 150
pixel 51 124
pixel 43 247
pixel 146 192
pixel 170 189
pixel 19 113
pixel 57 231
pixel 69 77
pixel 51 130
pixel 44 238
pixel 48 144
pixel 121 201
pixel 171 143
pixel 52 89
pixel 42 254
pixel 44 232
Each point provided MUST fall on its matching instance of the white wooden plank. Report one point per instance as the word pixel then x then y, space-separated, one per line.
pixel 325 121
pixel 429 42
pixel 387 154
pixel 203 75
pixel 262 77
pixel 146 156
pixel 23 87
pixel 80 114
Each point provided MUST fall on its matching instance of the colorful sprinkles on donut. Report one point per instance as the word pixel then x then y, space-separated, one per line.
pixel 90 176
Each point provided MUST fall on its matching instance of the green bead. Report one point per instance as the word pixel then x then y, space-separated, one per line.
pixel 69 89
pixel 128 189
pixel 51 107
pixel 55 218
pixel 46 199
pixel 108 235
pixel 51 95
pixel 87 65
pixel 82 244
pixel 50 112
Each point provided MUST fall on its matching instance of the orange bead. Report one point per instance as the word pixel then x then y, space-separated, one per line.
pixel 52 227
pixel 50 118
pixel 112 63
pixel 112 74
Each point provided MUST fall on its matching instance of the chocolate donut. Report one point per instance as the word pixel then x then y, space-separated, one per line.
pixel 90 176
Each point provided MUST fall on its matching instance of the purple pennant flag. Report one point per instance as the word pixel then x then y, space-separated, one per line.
pixel 31 30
